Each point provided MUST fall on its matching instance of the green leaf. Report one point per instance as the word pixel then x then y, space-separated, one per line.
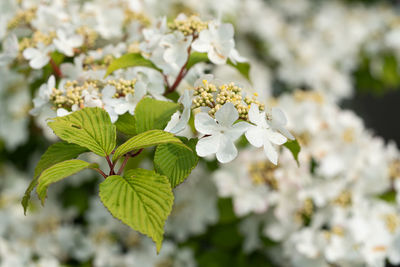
pixel 175 162
pixel 242 67
pixel 389 196
pixel 196 57
pixel 141 199
pixel 56 153
pixel 146 139
pixel 89 127
pixel 153 114
pixel 58 172
pixel 126 124
pixel 294 148
pixel 130 60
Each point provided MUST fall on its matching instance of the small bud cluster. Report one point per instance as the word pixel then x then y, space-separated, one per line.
pixel 90 36
pixel 263 172
pixel 37 37
pixel 344 199
pixel 394 170
pixel 123 87
pixel 204 95
pixel 72 94
pixel 209 95
pixel 392 222
pixel 89 63
pixel 335 230
pixel 189 26
pixel 22 17
pixel 304 214
pixel 135 16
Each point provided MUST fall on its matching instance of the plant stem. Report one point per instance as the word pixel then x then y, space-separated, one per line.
pixel 126 160
pixel 181 75
pixel 110 164
pixel 101 172
pixel 55 68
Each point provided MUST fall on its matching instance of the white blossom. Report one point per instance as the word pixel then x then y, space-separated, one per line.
pixel 220 133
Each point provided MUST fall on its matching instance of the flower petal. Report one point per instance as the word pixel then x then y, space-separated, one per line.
pixel 270 151
pixel 208 145
pixel 255 136
pixel 226 150
pixel 205 124
pixel 237 130
pixel 227 115
pixel 276 138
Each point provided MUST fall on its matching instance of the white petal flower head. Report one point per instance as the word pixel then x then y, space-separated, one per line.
pixel 131 100
pixel 217 41
pixel 263 135
pixel 179 121
pixel 221 133
pixel 66 44
pixel 277 120
pixel 38 57
pixel 10 50
pixel 43 96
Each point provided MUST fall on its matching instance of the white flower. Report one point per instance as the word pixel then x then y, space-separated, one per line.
pixel 43 95
pixel 179 121
pixel 10 50
pixel 38 57
pixel 221 132
pixel 128 104
pixel 172 52
pixel 66 44
pixel 277 120
pixel 262 134
pixel 217 41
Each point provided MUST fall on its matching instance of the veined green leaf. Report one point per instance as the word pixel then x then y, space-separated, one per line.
pixel 58 172
pixel 141 199
pixel 130 60
pixel 56 153
pixel 175 162
pixel 294 148
pixel 126 124
pixel 153 114
pixel 89 127
pixel 146 139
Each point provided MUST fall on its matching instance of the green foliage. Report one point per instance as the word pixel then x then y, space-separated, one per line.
pixel 130 60
pixel 389 197
pixel 59 171
pixel 381 81
pixel 55 153
pixel 146 139
pixel 153 114
pixel 294 148
pixel 175 161
pixel 89 127
pixel 197 57
pixel 141 199
pixel 126 124
pixel 242 67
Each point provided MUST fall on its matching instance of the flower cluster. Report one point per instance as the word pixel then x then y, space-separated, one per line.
pixel 330 210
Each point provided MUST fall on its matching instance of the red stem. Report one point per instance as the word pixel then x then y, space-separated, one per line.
pixel 55 68
pixel 126 160
pixel 111 165
pixel 181 75
pixel 101 172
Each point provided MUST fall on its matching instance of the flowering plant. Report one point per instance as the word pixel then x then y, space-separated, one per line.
pixel 116 107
